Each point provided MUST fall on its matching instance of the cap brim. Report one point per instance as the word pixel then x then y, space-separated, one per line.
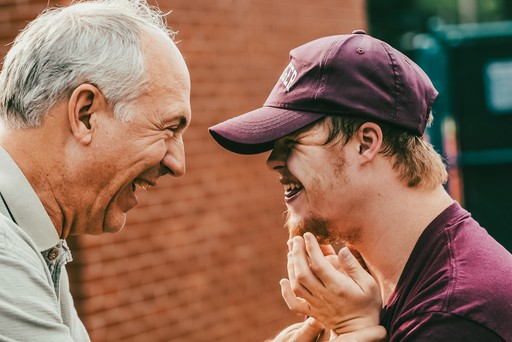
pixel 255 132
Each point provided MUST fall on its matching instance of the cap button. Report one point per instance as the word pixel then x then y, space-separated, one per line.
pixel 359 32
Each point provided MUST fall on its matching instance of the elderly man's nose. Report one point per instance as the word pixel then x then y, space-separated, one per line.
pixel 174 161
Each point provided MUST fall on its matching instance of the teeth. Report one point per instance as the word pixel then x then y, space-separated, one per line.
pixel 142 184
pixel 291 186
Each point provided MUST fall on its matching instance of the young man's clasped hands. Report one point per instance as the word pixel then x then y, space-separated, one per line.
pixel 334 291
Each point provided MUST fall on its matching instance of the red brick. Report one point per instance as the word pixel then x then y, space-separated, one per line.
pixel 201 256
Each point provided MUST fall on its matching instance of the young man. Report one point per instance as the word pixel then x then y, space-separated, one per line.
pixel 345 124
pixel 94 99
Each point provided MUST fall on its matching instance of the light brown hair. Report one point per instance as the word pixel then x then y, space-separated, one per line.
pixel 416 161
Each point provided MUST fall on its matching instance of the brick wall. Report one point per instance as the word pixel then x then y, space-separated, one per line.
pixel 201 256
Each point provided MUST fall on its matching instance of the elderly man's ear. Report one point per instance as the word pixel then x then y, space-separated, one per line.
pixel 84 104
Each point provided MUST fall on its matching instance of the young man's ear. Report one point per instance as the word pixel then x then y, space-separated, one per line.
pixel 84 103
pixel 369 138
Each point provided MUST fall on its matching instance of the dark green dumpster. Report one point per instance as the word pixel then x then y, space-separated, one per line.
pixel 471 66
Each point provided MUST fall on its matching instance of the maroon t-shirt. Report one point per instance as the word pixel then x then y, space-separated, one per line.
pixel 456 285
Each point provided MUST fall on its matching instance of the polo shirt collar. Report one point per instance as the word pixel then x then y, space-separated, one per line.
pixel 24 204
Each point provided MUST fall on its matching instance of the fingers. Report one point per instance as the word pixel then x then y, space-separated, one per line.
pixel 318 263
pixel 353 268
pixel 327 250
pixel 296 284
pixel 301 271
pixel 331 255
pixel 359 258
pixel 309 268
pixel 295 304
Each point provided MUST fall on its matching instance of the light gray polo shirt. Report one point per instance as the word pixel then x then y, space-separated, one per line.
pixel 35 302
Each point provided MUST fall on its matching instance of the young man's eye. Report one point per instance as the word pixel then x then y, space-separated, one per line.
pixel 290 143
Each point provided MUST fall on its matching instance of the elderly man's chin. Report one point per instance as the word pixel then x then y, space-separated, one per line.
pixel 114 221
pixel 319 227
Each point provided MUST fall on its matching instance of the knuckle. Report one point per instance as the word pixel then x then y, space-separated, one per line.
pixel 301 277
pixel 317 269
pixel 338 291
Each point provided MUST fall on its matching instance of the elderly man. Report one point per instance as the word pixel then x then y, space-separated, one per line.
pixel 94 99
pixel 345 124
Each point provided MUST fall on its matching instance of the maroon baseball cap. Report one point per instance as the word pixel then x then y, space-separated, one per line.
pixel 351 75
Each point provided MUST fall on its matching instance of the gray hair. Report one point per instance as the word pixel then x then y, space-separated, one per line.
pixel 96 42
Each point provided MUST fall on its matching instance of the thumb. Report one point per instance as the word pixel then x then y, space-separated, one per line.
pixel 352 267
pixel 306 331
pixel 309 330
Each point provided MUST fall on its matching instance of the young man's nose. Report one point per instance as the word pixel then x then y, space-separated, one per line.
pixel 277 158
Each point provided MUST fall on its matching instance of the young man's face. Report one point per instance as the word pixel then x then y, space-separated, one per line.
pixel 317 183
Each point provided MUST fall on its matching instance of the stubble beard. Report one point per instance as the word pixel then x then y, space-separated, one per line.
pixel 325 231
pixel 319 227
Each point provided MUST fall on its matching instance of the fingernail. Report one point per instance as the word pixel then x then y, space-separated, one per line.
pixel 345 253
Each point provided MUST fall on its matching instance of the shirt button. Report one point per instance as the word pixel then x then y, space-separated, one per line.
pixel 359 32
pixel 54 253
